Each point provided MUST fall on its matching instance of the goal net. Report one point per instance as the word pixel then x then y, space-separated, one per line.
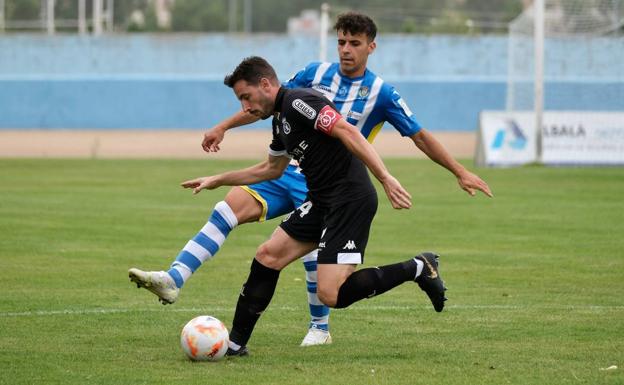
pixel 583 57
pixel 565 88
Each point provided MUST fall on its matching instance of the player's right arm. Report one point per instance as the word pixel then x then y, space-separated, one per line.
pixel 215 135
pixel 271 168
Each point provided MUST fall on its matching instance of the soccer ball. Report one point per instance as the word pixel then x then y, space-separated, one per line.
pixel 204 338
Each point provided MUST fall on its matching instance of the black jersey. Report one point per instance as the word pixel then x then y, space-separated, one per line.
pixel 301 127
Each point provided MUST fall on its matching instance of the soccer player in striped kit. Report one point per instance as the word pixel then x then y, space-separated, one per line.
pixel 365 101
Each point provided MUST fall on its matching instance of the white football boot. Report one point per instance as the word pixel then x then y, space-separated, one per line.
pixel 158 282
pixel 316 337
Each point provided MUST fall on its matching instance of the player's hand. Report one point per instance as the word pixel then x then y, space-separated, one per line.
pixel 470 182
pixel 398 196
pixel 198 184
pixel 212 138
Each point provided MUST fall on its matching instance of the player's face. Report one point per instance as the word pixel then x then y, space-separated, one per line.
pixel 353 51
pixel 255 100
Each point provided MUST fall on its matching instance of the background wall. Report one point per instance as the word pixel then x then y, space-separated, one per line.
pixel 157 81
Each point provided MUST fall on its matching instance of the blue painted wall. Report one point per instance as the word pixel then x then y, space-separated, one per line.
pixel 175 81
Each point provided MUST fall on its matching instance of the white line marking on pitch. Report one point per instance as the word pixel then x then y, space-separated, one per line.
pixel 35 313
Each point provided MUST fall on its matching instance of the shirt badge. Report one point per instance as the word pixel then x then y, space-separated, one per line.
pixel 285 126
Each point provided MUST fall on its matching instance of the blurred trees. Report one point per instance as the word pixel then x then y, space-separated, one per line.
pixel 402 16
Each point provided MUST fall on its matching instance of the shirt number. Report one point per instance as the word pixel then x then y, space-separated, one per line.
pixel 305 208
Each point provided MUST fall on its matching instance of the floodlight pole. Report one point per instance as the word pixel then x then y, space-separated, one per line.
pixel 232 15
pixel 82 17
pixel 1 16
pixel 50 17
pixel 324 26
pixel 97 17
pixel 538 6
pixel 110 14
pixel 247 15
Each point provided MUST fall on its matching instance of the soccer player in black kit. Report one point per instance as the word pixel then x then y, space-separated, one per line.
pixel 340 206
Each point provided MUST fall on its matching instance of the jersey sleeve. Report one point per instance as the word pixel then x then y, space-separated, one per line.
pixel 399 115
pixel 303 78
pixel 315 111
pixel 277 147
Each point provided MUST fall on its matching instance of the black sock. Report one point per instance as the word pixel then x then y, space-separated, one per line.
pixel 252 301
pixel 370 282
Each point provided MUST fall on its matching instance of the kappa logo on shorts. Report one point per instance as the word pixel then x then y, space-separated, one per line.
pixel 326 119
pixel 350 245
pixel 304 108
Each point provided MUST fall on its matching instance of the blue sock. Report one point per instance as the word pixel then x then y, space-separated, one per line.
pixel 319 313
pixel 204 245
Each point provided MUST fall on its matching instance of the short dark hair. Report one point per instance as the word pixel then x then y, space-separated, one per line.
pixel 251 70
pixel 355 23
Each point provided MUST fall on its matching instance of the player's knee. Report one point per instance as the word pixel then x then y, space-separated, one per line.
pixel 328 295
pixel 244 206
pixel 265 256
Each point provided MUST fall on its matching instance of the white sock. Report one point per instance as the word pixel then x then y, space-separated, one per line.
pixel 233 345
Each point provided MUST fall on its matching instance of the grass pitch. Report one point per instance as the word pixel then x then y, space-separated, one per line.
pixel 535 277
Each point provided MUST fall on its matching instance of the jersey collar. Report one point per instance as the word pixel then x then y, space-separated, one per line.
pixel 279 99
pixel 355 79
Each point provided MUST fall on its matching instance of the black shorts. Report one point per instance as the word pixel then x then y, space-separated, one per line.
pixel 341 232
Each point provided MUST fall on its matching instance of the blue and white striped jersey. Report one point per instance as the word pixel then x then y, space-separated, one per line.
pixel 366 101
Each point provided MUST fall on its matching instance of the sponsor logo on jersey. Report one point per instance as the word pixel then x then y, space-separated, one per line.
pixel 350 245
pixel 342 91
pixel 322 88
pixel 363 91
pixel 285 126
pixel 354 115
pixel 304 108
pixel 298 152
pixel 326 119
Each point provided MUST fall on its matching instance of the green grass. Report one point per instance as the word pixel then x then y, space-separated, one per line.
pixel 535 276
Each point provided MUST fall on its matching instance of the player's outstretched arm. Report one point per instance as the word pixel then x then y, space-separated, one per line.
pixel 468 181
pixel 214 136
pixel 269 169
pixel 355 142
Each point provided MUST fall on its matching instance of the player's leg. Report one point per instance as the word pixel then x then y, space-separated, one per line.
pixel 297 235
pixel 271 257
pixel 338 292
pixel 238 207
pixel 343 246
pixel 318 329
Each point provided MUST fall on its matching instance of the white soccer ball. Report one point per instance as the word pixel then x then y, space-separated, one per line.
pixel 204 338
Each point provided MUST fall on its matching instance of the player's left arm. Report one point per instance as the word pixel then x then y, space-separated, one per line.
pixel 351 137
pixel 467 180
